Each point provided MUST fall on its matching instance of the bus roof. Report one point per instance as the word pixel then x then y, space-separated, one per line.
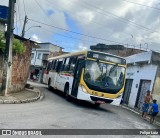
pixel 82 52
pixel 68 55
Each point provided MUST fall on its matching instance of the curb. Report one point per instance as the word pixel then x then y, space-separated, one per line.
pixel 40 96
pixel 136 112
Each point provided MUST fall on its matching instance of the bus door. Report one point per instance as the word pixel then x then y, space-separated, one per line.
pixel 77 75
pixel 59 77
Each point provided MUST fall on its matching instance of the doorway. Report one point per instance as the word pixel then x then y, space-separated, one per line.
pixel 127 91
pixel 143 87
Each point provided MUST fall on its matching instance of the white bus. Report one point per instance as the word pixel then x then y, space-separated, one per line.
pixel 88 75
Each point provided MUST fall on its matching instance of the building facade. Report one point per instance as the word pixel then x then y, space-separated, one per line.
pixel 142 74
pixel 118 50
pixel 39 59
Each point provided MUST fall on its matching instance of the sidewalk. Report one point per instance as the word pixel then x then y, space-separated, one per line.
pixel 26 96
pixel 157 119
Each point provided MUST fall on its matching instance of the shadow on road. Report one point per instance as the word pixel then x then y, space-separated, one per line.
pixel 81 103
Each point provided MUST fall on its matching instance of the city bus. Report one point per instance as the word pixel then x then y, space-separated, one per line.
pixel 88 75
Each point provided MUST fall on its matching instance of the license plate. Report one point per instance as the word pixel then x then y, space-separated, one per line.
pixel 101 102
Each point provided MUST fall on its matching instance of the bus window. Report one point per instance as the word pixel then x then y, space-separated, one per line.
pixel 66 65
pixel 59 65
pixel 49 66
pixel 63 63
pixel 54 65
pixel 73 61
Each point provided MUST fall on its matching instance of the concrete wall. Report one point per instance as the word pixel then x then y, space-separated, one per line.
pixel 1 65
pixel 138 72
pixel 122 53
pixel 156 89
pixel 50 47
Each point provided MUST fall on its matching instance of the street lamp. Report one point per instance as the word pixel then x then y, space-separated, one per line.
pixel 32 27
pixel 146 46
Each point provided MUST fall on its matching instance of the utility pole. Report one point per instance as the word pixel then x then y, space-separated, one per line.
pixel 7 69
pixel 24 26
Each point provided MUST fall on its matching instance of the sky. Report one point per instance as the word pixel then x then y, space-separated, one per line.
pixel 77 24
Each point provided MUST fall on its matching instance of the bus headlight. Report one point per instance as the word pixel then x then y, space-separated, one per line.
pixel 83 89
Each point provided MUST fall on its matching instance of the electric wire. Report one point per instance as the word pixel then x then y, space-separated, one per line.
pixel 140 4
pixel 103 12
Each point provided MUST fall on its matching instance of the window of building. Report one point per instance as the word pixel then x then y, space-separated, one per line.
pixel 39 56
pixel 45 56
pixel 32 56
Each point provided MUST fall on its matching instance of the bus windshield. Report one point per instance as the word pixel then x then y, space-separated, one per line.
pixel 104 77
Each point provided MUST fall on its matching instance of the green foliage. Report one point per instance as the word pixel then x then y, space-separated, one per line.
pixel 17 48
pixel 2 42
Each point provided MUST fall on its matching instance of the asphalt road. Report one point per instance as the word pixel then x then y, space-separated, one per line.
pixel 54 112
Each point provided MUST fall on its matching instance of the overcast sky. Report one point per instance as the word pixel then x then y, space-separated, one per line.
pixel 112 21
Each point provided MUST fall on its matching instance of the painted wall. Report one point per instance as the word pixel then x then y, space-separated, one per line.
pixel 45 48
pixel 137 72
pixel 37 60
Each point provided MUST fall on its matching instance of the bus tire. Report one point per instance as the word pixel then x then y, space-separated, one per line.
pixel 49 85
pixel 66 91
pixel 97 105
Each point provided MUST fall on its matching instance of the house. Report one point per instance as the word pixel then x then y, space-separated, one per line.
pixel 118 50
pixel 40 56
pixel 142 74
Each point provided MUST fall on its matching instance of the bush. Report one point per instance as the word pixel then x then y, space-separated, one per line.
pixel 2 43
pixel 18 47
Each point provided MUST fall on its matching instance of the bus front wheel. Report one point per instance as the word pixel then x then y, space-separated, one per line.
pixel 97 104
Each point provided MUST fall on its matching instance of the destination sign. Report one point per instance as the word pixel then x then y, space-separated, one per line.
pixel 106 57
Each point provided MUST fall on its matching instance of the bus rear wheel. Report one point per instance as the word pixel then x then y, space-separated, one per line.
pixel 66 91
pixel 49 85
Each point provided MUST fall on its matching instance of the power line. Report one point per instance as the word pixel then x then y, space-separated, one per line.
pixel 82 18
pixel 40 7
pixel 98 38
pixel 142 5
pixel 66 36
pixel 117 17
pixel 43 9
pixel 63 29
pixel 92 41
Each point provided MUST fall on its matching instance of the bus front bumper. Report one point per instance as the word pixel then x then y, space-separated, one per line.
pixel 92 98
